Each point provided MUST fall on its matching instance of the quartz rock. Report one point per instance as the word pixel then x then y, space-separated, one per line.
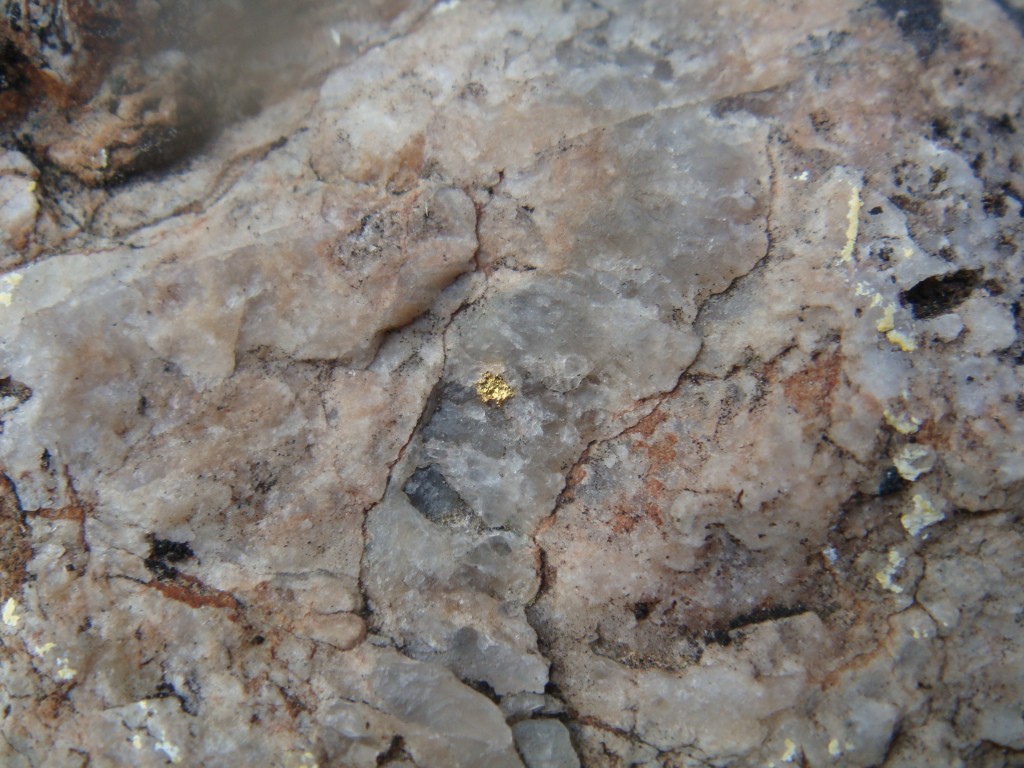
pixel 505 384
pixel 544 744
pixel 19 206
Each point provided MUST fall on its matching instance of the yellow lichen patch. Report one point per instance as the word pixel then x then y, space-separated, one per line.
pixel 905 425
pixel 64 671
pixel 912 461
pixel 901 340
pixel 853 217
pixel 789 755
pixel 10 615
pixel 7 285
pixel 493 389
pixel 921 516
pixel 44 649
pixel 885 322
pixel 885 576
pixel 921 633
pixel 834 749
pixel 173 752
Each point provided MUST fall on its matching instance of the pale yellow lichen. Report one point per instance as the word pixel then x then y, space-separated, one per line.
pixel 169 749
pixel 45 648
pixel 10 614
pixel 493 389
pixel 790 754
pixel 303 759
pixel 901 340
pixel 920 633
pixel 853 217
pixel 923 514
pixel 885 322
pixel 902 423
pixel 834 749
pixel 7 285
pixel 64 671
pixel 912 461
pixel 885 576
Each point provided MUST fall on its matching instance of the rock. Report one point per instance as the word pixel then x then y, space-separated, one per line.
pixel 544 744
pixel 19 206
pixel 545 384
pixel 144 117
pixel 18 209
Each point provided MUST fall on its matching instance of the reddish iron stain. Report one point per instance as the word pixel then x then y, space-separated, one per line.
pixel 73 512
pixel 576 476
pixel 646 426
pixel 192 592
pixel 810 390
pixel 624 520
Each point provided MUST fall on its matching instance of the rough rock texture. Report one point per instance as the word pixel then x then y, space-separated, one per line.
pixel 515 384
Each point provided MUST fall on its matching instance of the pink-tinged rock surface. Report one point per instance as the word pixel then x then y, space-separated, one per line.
pixel 543 384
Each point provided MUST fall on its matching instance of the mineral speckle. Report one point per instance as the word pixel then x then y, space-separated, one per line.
pixel 511 384
pixel 493 389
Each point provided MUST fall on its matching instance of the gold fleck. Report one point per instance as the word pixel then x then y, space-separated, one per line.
pixel 493 389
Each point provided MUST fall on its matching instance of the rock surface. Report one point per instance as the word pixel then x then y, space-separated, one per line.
pixel 542 383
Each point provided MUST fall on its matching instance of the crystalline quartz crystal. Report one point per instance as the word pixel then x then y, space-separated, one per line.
pixel 524 384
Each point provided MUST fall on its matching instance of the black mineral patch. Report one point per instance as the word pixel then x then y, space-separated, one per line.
pixel 891 482
pixel 940 294
pixel 163 553
pixel 920 22
pixel 435 499
pixel 11 388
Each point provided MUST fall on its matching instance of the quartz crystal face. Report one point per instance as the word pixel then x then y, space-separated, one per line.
pixel 544 384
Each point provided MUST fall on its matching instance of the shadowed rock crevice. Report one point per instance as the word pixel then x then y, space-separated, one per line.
pixel 935 296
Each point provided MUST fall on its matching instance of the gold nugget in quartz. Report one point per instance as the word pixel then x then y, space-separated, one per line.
pixel 493 389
